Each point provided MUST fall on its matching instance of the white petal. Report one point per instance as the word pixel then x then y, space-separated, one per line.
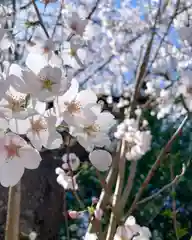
pixel 72 92
pixel 87 97
pixel 101 159
pixel 88 145
pixel 37 106
pixel 11 172
pixel 53 141
pixel 36 62
pixel 3 152
pixel 3 124
pixel 35 140
pixel 19 126
pixel 30 157
pixel 105 120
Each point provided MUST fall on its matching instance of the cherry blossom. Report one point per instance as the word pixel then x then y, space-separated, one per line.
pixel 131 230
pixel 74 106
pixel 16 155
pixel 94 133
pixel 67 182
pixel 16 105
pixel 137 142
pixel 40 130
pixel 73 55
pixel 71 162
pixel 42 81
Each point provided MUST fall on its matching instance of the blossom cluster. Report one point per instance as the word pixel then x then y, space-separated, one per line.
pixel 138 142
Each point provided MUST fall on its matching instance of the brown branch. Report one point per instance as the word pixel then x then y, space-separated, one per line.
pixel 174 203
pixel 13 213
pixel 66 216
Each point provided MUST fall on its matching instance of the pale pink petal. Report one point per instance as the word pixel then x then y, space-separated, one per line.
pixel 86 97
pixel 11 172
pixel 35 62
pixel 19 126
pixel 101 159
pixel 30 157
pixel 35 140
pixel 53 141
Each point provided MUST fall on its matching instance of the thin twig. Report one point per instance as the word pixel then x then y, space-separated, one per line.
pixel 128 187
pixel 40 18
pixel 117 194
pixel 66 217
pixel 163 189
pixel 174 202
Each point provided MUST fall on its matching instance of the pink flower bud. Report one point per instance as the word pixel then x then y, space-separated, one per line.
pixel 73 214
pixel 94 200
pixel 98 213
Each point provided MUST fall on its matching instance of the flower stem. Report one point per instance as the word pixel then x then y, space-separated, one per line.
pixel 13 213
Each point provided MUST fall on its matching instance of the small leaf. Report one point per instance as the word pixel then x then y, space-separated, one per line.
pixel 91 210
pixel 181 232
pixel 167 213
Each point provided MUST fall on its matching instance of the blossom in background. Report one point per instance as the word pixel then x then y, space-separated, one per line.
pixel 41 46
pixel 67 182
pixel 185 88
pixel 73 54
pixel 100 159
pixel 16 155
pixel 131 230
pixel 137 142
pixel 71 161
pixel 76 24
pixel 94 133
pixel 73 214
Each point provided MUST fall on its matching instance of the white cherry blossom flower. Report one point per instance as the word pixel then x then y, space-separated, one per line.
pixel 76 24
pixel 94 133
pixel 67 182
pixel 71 161
pixel 43 81
pixel 73 55
pixel 137 142
pixel 40 130
pixel 16 155
pixel 100 159
pixel 74 106
pixel 16 105
pixel 41 46
pixel 131 230
pixel 185 88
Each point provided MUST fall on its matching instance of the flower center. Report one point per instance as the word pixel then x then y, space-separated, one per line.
pixel 38 125
pixel 91 129
pixel 12 150
pixel 73 107
pixel 72 52
pixel 46 49
pixel 16 105
pixel 47 84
